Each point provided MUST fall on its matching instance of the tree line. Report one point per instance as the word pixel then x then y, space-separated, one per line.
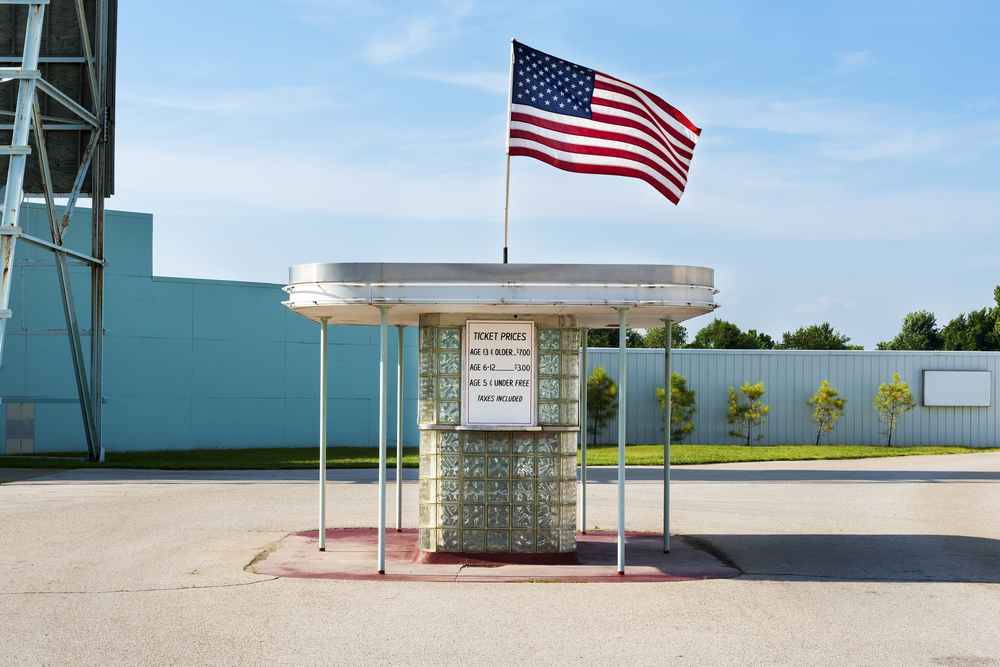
pixel 977 331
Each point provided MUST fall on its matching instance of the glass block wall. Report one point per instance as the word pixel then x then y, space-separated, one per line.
pixel 497 491
pixel 489 490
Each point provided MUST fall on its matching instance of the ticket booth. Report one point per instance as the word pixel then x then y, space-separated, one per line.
pixel 499 381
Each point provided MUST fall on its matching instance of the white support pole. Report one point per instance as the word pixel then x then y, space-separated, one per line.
pixel 510 107
pixel 383 427
pixel 322 431
pixel 399 432
pixel 667 344
pixel 584 373
pixel 621 440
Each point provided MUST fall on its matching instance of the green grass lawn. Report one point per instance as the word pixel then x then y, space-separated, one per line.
pixel 298 458
pixel 652 455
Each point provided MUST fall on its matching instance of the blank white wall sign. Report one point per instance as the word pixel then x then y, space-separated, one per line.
pixel 972 389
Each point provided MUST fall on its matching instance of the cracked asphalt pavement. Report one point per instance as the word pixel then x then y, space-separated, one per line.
pixel 871 562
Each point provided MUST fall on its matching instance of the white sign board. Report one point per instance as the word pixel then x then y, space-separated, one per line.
pixel 499 373
pixel 971 389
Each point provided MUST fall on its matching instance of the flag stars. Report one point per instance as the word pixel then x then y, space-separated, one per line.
pixel 551 84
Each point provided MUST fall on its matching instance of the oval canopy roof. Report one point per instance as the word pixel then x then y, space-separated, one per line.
pixel 350 293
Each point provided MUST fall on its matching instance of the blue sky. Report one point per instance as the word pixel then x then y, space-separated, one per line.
pixel 848 169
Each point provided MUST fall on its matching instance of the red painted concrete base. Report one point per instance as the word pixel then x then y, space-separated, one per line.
pixel 353 554
pixel 452 558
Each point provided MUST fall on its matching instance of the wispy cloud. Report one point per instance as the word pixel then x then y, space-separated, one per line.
pixel 852 62
pixel 264 102
pixel 850 131
pixel 493 82
pixel 418 34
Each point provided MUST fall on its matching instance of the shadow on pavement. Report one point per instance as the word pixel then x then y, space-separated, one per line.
pixel 886 558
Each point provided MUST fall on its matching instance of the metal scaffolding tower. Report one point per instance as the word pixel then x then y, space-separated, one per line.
pixel 64 78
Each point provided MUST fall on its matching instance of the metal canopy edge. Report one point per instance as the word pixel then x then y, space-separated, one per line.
pixel 351 294
pixel 480 273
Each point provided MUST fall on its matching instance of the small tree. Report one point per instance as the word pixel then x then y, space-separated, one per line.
pixel 829 408
pixel 891 401
pixel 602 400
pixel 682 407
pixel 747 410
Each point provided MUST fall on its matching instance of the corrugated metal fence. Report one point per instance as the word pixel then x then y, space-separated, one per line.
pixel 791 378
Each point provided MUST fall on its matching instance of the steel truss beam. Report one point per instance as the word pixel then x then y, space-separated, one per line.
pixel 28 117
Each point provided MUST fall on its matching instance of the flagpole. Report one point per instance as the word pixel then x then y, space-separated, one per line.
pixel 510 106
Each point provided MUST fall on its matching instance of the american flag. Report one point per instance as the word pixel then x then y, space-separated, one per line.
pixel 581 120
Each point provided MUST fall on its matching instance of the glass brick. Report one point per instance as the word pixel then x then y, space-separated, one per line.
pixel 448 540
pixel 548 413
pixel 473 516
pixel 522 541
pixel 548 492
pixel 569 414
pixel 498 492
pixel 548 443
pixel 449 443
pixel 547 515
pixel 426 539
pixel 448 516
pixel 498 516
pixel 426 363
pixel 473 492
pixel 498 541
pixel 571 389
pixel 499 443
pixel 567 541
pixel 474 444
pixel 571 339
pixel 448 491
pixel 448 412
pixel 548 364
pixel 449 338
pixel 426 387
pixel 567 492
pixel 426 412
pixel 473 541
pixel 427 338
pixel 447 388
pixel 546 466
pixel 548 339
pixel 523 516
pixel 524 467
pixel 499 467
pixel 427 490
pixel 524 492
pixel 448 363
pixel 426 515
pixel 428 442
pixel 571 365
pixel 547 541
pixel 448 466
pixel 475 466
pixel 428 466
pixel 548 388
pixel 568 467
pixel 524 443
pixel 568 443
pixel 567 516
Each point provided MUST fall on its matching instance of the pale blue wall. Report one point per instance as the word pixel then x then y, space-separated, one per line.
pixel 187 363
